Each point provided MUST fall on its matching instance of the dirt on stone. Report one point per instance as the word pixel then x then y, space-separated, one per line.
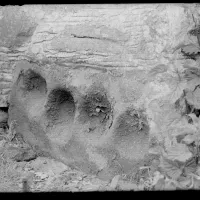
pixel 33 80
pixel 95 107
pixel 43 174
pixel 60 101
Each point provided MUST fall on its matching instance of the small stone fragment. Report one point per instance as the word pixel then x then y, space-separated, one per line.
pixel 98 110
pixel 114 182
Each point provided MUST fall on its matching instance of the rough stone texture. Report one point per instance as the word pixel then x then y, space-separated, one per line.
pixel 3 117
pixel 93 84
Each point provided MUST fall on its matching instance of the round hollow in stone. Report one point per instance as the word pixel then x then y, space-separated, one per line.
pixel 60 105
pixel 95 106
pixel 32 80
pixel 131 122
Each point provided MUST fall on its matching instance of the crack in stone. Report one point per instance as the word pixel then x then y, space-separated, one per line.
pixel 196 87
pixel 89 37
pixel 41 41
pixel 95 38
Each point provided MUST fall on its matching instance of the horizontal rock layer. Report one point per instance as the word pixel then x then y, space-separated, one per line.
pixel 109 37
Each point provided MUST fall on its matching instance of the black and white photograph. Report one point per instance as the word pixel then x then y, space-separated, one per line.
pixel 99 97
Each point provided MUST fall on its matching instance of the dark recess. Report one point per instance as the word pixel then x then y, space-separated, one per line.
pixel 4 109
pixel 95 106
pixel 187 109
pixel 193 55
pixel 33 81
pixel 4 123
pixel 131 122
pixel 60 100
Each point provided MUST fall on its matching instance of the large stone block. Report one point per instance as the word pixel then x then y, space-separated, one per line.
pixel 99 86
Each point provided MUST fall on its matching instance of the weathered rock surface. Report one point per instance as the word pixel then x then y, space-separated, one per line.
pixel 91 85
